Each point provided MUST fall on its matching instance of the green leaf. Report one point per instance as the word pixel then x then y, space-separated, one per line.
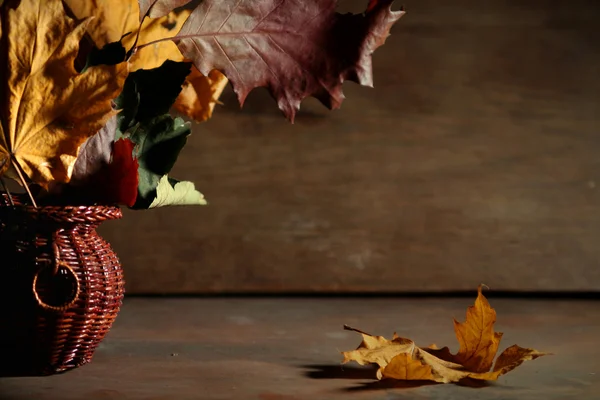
pixel 110 54
pixel 171 192
pixel 129 103
pixel 151 92
pixel 144 103
pixel 158 144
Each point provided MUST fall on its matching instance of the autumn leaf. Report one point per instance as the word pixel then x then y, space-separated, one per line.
pixel 514 356
pixel 158 137
pixel 294 48
pixel 115 18
pixel 404 367
pixel 170 192
pixel 400 358
pixel 158 144
pixel 159 8
pixel 116 182
pixel 478 341
pixel 105 172
pixel 49 109
pixel 118 20
pixel 199 95
pixel 377 349
pixel 95 153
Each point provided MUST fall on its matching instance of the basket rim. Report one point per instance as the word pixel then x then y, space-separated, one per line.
pixel 61 213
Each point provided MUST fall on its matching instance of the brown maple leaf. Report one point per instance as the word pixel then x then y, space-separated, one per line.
pixel 400 358
pixel 295 49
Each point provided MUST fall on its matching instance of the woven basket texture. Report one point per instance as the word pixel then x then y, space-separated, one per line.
pixel 62 286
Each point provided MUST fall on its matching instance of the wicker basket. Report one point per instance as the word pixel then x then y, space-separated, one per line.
pixel 62 286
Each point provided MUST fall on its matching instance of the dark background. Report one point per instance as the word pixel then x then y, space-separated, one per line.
pixel 476 158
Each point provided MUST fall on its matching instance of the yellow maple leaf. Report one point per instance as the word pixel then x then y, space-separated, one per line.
pixel 401 359
pixel 200 94
pixel 49 109
pixel 405 367
pixel 478 341
pixel 115 18
pixel 377 349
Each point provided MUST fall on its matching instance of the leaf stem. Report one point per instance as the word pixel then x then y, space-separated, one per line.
pixel 173 38
pixel 10 199
pixel 133 48
pixel 24 182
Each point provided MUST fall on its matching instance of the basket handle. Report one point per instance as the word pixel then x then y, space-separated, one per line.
pixel 58 266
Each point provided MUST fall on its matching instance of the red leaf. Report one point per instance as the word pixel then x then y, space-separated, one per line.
pixel 372 5
pixel 117 182
pixel 122 174
pixel 295 48
pixel 159 8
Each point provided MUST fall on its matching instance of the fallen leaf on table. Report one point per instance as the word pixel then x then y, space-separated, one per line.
pixel 377 349
pixel 404 367
pixel 295 49
pixel 478 341
pixel 401 359
pixel 48 109
pixel 115 18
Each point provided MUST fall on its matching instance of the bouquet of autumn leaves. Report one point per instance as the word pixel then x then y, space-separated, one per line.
pixel 88 86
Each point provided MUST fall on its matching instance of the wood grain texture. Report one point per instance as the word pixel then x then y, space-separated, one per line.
pixel 289 349
pixel 475 159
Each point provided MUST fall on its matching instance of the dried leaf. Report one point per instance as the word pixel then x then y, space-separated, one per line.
pixel 404 367
pixel 294 48
pixel 199 94
pixel 443 353
pixel 118 20
pixel 106 172
pixel 445 371
pixel 117 183
pixel 159 8
pixel 95 153
pixel 478 341
pixel 377 349
pixel 115 18
pixel 514 356
pixel 402 359
pixel 170 192
pixel 49 109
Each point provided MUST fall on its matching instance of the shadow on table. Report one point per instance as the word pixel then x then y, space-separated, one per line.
pixel 370 372
pixel 5 396
pixel 340 372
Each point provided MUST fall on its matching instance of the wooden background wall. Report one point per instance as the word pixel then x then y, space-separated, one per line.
pixel 475 159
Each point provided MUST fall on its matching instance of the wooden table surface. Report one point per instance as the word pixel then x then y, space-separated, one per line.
pixel 288 349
